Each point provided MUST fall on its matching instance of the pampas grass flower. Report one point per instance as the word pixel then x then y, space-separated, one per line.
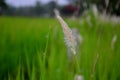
pixel 68 35
pixel 78 77
pixel 114 39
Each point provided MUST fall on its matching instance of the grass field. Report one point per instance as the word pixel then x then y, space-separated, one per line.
pixel 34 49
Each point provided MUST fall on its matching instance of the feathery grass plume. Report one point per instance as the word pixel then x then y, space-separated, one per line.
pixel 114 39
pixel 95 10
pixel 106 3
pixel 78 38
pixel 69 38
pixel 78 77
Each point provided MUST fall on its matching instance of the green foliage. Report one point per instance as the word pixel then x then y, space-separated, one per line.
pixel 34 49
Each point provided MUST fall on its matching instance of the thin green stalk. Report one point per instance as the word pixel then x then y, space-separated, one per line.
pixel 77 65
pixel 44 57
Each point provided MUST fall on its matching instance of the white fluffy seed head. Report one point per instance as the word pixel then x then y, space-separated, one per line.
pixel 106 3
pixel 69 38
pixel 78 77
pixel 114 39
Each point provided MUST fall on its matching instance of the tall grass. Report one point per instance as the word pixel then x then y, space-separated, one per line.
pixel 33 49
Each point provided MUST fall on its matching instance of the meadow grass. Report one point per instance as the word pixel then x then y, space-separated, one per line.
pixel 34 49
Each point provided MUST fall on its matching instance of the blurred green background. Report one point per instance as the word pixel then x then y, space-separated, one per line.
pixel 32 45
pixel 34 49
